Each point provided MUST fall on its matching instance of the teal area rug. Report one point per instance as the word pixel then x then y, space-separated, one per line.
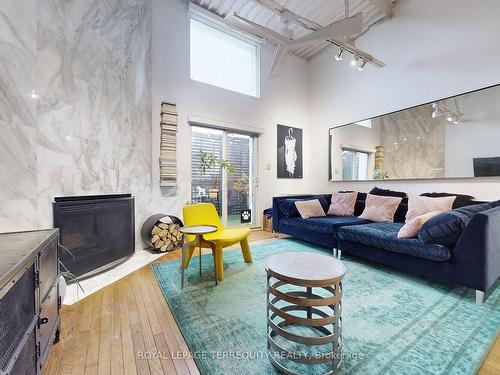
pixel 393 323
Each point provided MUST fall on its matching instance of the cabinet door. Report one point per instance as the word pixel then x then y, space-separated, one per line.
pixel 25 363
pixel 48 268
pixel 17 311
pixel 48 321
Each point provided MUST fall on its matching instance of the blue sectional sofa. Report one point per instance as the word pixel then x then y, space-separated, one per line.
pixel 472 261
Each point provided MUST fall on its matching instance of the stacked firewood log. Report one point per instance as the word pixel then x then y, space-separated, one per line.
pixel 166 237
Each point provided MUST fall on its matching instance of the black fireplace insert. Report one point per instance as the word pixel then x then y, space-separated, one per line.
pixel 98 231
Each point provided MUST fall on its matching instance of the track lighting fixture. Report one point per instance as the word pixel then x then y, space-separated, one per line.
pixel 452 118
pixel 339 55
pixel 439 110
pixel 356 61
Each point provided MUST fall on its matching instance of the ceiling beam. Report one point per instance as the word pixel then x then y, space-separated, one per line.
pixel 385 6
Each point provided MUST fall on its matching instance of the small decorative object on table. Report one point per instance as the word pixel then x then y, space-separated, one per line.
pixel 198 231
pixel 162 232
pixel 313 331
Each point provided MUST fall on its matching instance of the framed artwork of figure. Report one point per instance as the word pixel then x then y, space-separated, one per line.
pixel 289 152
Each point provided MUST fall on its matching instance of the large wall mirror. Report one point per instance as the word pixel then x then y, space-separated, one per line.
pixel 448 138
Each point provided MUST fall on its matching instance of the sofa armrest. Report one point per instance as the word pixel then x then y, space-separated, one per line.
pixel 277 215
pixel 477 253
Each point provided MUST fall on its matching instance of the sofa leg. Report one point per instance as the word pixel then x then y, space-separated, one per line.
pixel 337 253
pixel 479 297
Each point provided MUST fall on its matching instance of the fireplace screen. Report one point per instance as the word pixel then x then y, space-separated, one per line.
pixel 98 231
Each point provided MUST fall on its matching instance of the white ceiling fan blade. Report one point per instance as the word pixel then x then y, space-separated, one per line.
pixel 273 5
pixel 339 29
pixel 278 61
pixel 257 29
pixel 287 13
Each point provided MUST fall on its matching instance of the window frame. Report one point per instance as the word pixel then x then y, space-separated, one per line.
pixel 359 151
pixel 209 20
pixel 254 187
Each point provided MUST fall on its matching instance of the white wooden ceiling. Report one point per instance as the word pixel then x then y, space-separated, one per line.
pixel 323 12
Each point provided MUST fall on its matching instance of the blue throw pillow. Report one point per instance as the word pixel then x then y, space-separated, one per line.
pixel 447 227
pixel 289 210
pixel 444 229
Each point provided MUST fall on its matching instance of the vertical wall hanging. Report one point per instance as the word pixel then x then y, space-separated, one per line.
pixel 289 152
pixel 168 141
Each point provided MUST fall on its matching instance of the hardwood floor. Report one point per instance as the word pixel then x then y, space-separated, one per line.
pixel 112 330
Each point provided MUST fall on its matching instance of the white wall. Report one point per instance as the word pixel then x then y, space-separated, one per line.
pixel 283 100
pixel 433 49
pixel 480 126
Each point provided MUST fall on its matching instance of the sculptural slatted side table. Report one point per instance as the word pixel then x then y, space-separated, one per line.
pixel 304 292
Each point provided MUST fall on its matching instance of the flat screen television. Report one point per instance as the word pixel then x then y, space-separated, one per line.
pixel 486 167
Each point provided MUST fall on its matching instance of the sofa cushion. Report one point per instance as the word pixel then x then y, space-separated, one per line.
pixel 460 201
pixel 288 208
pixel 384 236
pixel 412 227
pixel 380 208
pixel 418 205
pixel 325 224
pixel 342 204
pixel 446 228
pixel 309 208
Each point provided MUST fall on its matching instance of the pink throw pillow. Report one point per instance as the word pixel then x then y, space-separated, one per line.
pixel 412 227
pixel 380 208
pixel 311 208
pixel 342 204
pixel 418 205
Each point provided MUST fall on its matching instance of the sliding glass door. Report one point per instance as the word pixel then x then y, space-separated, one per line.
pixel 223 173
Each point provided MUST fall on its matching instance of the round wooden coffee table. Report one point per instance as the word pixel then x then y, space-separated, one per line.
pixel 198 231
pixel 304 292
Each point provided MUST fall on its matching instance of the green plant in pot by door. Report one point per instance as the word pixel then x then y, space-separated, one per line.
pixel 212 163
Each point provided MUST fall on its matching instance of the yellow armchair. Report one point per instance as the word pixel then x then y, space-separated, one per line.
pixel 206 214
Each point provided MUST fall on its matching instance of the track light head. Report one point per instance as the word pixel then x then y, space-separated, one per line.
pixel 339 55
pixel 361 66
pixel 354 61
pixel 452 118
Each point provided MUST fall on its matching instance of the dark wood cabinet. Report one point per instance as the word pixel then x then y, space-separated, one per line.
pixel 29 299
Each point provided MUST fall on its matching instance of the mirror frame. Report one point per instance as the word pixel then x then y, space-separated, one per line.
pixel 390 113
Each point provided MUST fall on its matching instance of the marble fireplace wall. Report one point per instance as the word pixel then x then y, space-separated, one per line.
pixel 18 136
pixel 75 105
pixel 413 144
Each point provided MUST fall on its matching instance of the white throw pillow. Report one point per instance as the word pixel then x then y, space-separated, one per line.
pixel 418 205
pixel 310 208
pixel 412 227
pixel 342 204
pixel 380 208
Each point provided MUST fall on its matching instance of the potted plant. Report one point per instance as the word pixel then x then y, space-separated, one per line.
pixel 67 277
pixel 241 186
pixel 212 163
